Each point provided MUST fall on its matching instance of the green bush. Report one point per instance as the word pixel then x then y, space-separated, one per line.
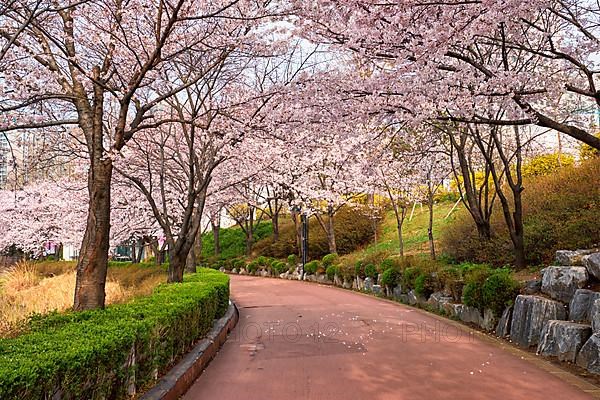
pixel 371 271
pixel 487 288
pixel 500 290
pixel 331 271
pixel 390 277
pixel 311 267
pixel 409 276
pixel 329 260
pixel 424 285
pixel 85 355
pixel 475 277
pixel 292 260
pixel 386 264
pixel 359 269
pixel 277 267
pixel 252 267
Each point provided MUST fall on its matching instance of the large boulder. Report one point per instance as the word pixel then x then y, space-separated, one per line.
pixel 489 320
pixel 347 284
pixel 571 257
pixel 377 289
pixel 589 355
pixel 368 285
pixel 592 263
pixel 560 283
pixel 470 315
pixel 563 339
pixel 414 299
pixel 503 327
pixel 581 304
pixel 438 299
pixel 595 315
pixel 530 314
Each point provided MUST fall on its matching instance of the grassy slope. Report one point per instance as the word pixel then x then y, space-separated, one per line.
pixel 232 240
pixel 415 235
pixel 414 231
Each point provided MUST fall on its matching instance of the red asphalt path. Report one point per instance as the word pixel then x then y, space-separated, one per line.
pixel 297 340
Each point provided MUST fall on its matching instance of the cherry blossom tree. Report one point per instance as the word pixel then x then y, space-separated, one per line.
pixel 106 67
pixel 449 60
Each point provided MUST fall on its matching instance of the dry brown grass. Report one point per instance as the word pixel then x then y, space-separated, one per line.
pixel 41 288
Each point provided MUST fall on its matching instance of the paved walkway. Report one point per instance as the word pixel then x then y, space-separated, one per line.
pixel 303 341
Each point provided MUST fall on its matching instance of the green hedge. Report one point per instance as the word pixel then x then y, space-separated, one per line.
pixel 99 354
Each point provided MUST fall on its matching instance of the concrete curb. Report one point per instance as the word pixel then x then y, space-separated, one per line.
pixel 181 377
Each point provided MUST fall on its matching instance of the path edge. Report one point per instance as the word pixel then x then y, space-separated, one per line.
pixel 183 375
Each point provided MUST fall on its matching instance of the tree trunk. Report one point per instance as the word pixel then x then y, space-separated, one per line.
pixel 249 241
pixel 140 244
pixel 400 216
pixel 133 252
pixel 249 230
pixel 190 262
pixel 177 263
pixel 275 222
pixel 298 230
pixel 93 256
pixel 216 238
pixel 331 232
pixel 477 202
pixel 430 227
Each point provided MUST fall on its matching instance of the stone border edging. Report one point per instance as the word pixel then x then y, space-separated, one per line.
pixel 181 377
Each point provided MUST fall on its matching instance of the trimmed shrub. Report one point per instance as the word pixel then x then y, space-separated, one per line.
pixel 277 267
pixel 371 271
pixel 252 267
pixel 475 277
pixel 386 264
pixel 409 276
pixel 424 285
pixel 331 271
pixel 390 277
pixel 500 290
pixel 311 267
pixel 487 288
pixel 292 260
pixel 329 260
pixel 359 269
pixel 88 355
